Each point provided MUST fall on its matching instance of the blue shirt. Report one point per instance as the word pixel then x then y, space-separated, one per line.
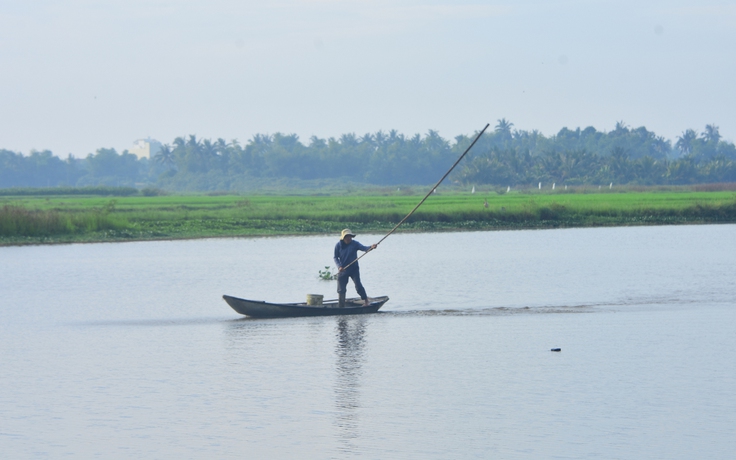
pixel 346 253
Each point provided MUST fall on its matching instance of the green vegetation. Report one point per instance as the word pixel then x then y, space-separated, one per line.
pixel 326 274
pixel 17 221
pixel 502 157
pixel 98 190
pixel 70 218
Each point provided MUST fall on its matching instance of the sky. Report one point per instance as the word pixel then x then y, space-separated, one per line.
pixel 78 75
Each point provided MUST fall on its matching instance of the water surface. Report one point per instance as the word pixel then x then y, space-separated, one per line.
pixel 128 350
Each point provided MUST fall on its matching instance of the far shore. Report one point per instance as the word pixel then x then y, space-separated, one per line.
pixel 37 220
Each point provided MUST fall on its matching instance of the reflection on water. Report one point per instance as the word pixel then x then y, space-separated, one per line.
pixel 277 350
pixel 350 335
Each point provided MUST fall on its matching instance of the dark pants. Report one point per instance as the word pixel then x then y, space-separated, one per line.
pixel 342 282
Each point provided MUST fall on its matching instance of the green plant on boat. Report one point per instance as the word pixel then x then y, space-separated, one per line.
pixel 327 275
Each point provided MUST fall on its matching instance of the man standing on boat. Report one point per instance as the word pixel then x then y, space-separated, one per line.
pixel 346 254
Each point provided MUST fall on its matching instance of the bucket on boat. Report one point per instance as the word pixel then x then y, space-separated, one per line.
pixel 315 299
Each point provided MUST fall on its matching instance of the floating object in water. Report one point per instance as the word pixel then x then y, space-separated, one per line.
pixel 556 349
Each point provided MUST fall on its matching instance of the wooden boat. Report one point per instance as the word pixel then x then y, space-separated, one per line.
pixel 262 309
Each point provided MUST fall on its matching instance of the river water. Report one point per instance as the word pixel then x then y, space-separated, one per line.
pixel 128 351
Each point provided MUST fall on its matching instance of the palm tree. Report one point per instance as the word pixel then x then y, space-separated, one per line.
pixel 289 142
pixel 619 163
pixel 165 157
pixel 649 170
pixel 682 171
pixel 621 127
pixel 570 163
pixel 221 145
pixel 718 169
pixel 660 147
pixel 190 153
pixel 193 142
pixel 316 143
pixel 380 139
pixel 711 134
pixel 434 142
pixel 685 141
pixel 259 145
pixel 367 139
pixel 394 137
pixel 415 142
pixel 349 140
pixel 208 150
pixel 504 128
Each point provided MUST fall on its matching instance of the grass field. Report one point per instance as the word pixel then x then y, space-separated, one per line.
pixel 73 218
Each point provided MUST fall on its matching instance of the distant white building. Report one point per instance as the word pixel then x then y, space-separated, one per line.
pixel 145 148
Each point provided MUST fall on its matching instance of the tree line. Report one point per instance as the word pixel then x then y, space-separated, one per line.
pixel 502 157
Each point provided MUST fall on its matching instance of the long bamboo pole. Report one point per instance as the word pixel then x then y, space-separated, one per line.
pixel 426 196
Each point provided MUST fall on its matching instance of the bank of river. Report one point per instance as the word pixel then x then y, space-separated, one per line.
pixel 68 219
